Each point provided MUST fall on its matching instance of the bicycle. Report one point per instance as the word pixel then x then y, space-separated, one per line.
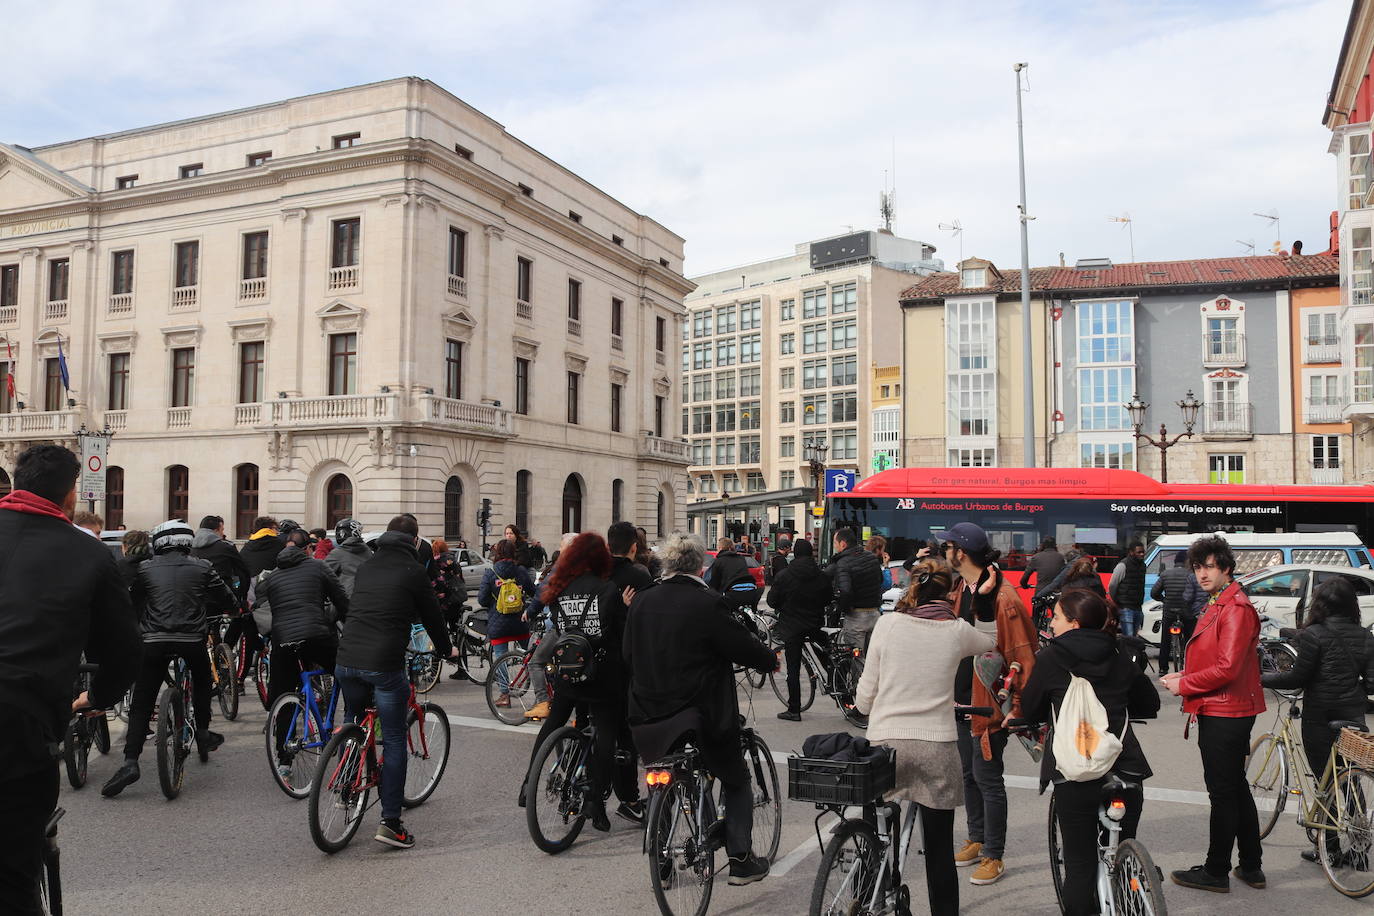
pixel 469 638
pixel 423 664
pixel 1338 812
pixel 50 881
pixel 760 624
pixel 175 730
pixel 262 672
pixel 842 665
pixel 1276 653
pixel 306 733
pixel 513 677
pixel 84 730
pixel 350 768
pixel 557 801
pixel 223 668
pixel 683 829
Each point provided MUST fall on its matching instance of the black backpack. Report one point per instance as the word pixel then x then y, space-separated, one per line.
pixel 575 656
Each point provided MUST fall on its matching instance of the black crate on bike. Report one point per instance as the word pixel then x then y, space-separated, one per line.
pixel 841 782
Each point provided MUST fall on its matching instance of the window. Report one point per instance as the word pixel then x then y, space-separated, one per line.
pixel 575 300
pixel 844 298
pixel 701 455
pixel 52 384
pixel 617 240
pixel 178 492
pixel 119 382
pixel 524 271
pixel 1116 455
pixel 787 310
pixel 787 378
pixel 725 385
pixel 750 315
pixel 813 338
pixel 729 483
pixel 725 352
pixel 787 480
pixel 1362 378
pixel 453 369
pixel 462 151
pixel 787 344
pixel 725 451
pixel 814 374
pixel 346 237
pixel 660 405
pixel 1359 170
pixel 254 255
pixel 344 141
pixel 973 278
pixel 9 285
pixel 686 421
pixel 1361 277
pixel 750 415
pixel 257 159
pixel 750 348
pixel 251 366
pixel 701 356
pixel 1326 452
pixel 1322 329
pixel 1102 395
pixel 661 513
pixel 1105 333
pixel 1324 401
pixel 524 481
pixel 525 189
pixel 616 391
pixel 114 497
pixel 844 335
pixel 1222 340
pixel 1226 468
pixel 844 444
pixel 844 407
pixel 574 395
pixel 187 264
pixel 971 405
pixel 725 319
pixel 813 303
pixel 701 324
pixel 457 252
pixel 750 383
pixel 343 364
pixel 660 333
pixel 701 420
pixel 725 418
pixel 245 499
pixel 701 388
pixel 617 317
pixel 338 494
pixel 787 411
pixel 194 170
pixel 453 509
pixel 754 482
pixel 574 216
pixel 844 370
pixel 124 182
pixel 6 401
pixel 814 410
pixel 121 273
pixel 59 272
pixel 522 388
pixel 972 457
pixel 183 376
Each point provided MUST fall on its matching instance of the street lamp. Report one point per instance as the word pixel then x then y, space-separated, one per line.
pixel 814 451
pixel 1189 406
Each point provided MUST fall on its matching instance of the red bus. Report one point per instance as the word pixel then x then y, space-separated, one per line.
pixel 1100 510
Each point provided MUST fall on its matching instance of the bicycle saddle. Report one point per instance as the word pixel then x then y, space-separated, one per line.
pixel 1114 785
pixel 1337 724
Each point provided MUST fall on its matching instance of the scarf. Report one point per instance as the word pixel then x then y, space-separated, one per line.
pixel 262 533
pixel 31 503
pixel 939 609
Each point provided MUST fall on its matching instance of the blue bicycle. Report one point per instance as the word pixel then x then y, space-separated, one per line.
pixel 296 725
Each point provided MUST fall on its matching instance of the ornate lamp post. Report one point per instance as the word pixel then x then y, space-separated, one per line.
pixel 814 451
pixel 1190 406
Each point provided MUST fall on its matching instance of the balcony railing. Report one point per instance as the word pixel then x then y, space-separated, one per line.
pixel 1223 348
pixel 574 328
pixel 117 419
pixel 121 304
pixel 185 297
pixel 40 424
pixel 335 410
pixel 466 415
pixel 1324 410
pixel 343 277
pixel 178 418
pixel 665 449
pixel 55 310
pixel 1322 350
pixel 457 286
pixel 247 414
pixel 1328 476
pixel 9 314
pixel 253 288
pixel 617 342
pixel 1229 420
pixel 524 310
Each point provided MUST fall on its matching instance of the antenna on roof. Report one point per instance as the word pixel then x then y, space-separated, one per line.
pixel 1129 225
pixel 1247 244
pixel 887 209
pixel 956 228
pixel 1273 217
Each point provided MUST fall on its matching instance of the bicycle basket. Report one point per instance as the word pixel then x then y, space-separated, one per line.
pixel 419 640
pixel 841 782
pixel 1356 747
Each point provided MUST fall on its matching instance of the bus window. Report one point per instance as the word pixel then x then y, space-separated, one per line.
pixel 1321 556
pixel 1248 561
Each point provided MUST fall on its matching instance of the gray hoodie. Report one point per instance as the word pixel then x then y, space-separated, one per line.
pixel 345 559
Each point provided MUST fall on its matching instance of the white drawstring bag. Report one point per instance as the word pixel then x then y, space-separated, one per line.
pixel 1084 749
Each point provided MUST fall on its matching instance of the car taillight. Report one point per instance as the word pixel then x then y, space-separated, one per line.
pixel 658 777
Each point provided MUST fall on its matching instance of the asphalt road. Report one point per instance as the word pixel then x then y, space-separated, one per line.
pixel 234 843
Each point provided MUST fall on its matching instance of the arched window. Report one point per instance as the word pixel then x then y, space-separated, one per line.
pixel 522 500
pixel 572 504
pixel 662 514
pixel 245 500
pixel 338 497
pixel 617 500
pixel 5 485
pixel 178 492
pixel 453 510
pixel 114 496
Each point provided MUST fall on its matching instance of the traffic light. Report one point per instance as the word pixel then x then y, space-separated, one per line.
pixel 484 514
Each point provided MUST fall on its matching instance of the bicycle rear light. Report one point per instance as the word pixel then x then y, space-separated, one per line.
pixel 858 652
pixel 1117 809
pixel 658 777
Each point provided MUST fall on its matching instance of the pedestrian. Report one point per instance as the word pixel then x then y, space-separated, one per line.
pixel 981 590
pixel 646 557
pixel 1085 645
pixel 447 578
pixel 349 552
pixel 799 594
pixel 1127 588
pixel 323 545
pixel 729 569
pixel 518 543
pixel 1220 686
pixel 1081 573
pixel 1044 564
pixel 1335 671
pixel 1175 589
pixel 89 523
pixel 539 557
pixel 505 627
pixel 909 708
pixel 877 545
pixel 781 557
pixel 857 584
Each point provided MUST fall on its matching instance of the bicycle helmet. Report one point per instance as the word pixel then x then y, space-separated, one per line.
pixel 286 526
pixel 348 528
pixel 171 535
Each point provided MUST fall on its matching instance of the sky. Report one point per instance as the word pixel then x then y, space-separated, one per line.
pixel 747 127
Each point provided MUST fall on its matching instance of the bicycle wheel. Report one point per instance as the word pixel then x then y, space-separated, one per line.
pixel 851 669
pixel 1266 770
pixel 1136 886
pixel 76 751
pixel 682 864
pixel 100 731
pixel 171 754
pixel 226 682
pixel 301 744
pixel 425 668
pixel 848 875
pixel 260 676
pixel 1349 866
pixel 1056 847
pixel 1279 656
pixel 474 659
pixel 427 746
pixel 339 790
pixel 511 672
pixel 767 798
pixel 555 789
pixel 807 681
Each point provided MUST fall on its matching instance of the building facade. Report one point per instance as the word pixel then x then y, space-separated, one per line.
pixel 360 302
pixel 886 395
pixel 775 359
pixel 1249 337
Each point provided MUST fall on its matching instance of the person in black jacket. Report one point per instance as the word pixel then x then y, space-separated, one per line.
pixel 629 578
pixel 781 557
pixel 857 577
pixel 349 552
pixel 211 544
pixel 799 595
pixel 1085 644
pixel 681 645
pixel 1127 588
pixel 1081 573
pixel 1335 669
pixel 258 555
pixel 303 636
pixel 1174 589
pixel 1044 564
pixel 390 591
pixel 60 596
pixel 730 567
pixel 176 593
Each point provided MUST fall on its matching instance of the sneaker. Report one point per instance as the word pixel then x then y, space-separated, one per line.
pixel 1199 878
pixel 539 711
pixel 969 855
pixel 600 821
pixel 790 716
pixel 394 833
pixel 458 675
pixel 1253 877
pixel 631 811
pixel 207 741
pixel 124 777
pixel 503 701
pixel 989 871
pixel 747 870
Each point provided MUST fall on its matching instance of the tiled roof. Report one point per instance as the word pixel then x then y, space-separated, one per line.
pixel 1207 271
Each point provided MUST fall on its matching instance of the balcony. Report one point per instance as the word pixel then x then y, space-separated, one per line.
pixel 178 418
pixel 457 286
pixel 1324 410
pixel 117 420
pixel 1321 350
pixel 1328 476
pixel 247 414
pixel 659 449
pixel 1228 420
pixel 342 278
pixel 54 310
pixel 455 414
pixel 9 314
pixel 252 289
pixel 121 304
pixel 335 410
pixel 574 328
pixel 523 310
pixel 1223 348
pixel 185 298
pixel 38 424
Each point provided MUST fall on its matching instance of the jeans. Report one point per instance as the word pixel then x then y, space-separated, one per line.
pixel 1131 618
pixel 937 838
pixel 985 792
pixel 1224 744
pixel 500 650
pixel 29 802
pixel 389 691
pixel 857 626
pixel 284 675
pixel 1186 625
pixel 1075 808
pixel 156 656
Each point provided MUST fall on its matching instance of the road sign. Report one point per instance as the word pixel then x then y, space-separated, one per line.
pixel 840 481
pixel 92 484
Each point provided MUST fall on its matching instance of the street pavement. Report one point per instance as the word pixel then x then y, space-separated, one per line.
pixel 233 842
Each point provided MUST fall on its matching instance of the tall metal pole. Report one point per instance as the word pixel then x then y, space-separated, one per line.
pixel 1027 349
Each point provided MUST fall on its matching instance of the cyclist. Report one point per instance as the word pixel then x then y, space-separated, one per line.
pixel 390 591
pixel 211 544
pixel 857 577
pixel 681 645
pixel 629 578
pixel 174 591
pixel 349 552
pixel 258 555
pixel 1085 644
pixel 60 595
pixel 799 594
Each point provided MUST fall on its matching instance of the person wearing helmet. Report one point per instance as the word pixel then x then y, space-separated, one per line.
pixel 174 591
pixel 349 552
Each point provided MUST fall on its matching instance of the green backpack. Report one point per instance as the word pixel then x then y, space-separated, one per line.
pixel 511 597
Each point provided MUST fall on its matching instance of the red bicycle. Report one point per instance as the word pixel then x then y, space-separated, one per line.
pixel 351 767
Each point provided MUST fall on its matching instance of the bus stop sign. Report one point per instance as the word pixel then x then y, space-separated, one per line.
pixel 840 481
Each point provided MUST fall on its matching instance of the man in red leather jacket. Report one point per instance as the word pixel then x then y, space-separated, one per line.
pixel 1220 685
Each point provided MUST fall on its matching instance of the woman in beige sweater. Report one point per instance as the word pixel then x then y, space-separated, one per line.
pixel 907 691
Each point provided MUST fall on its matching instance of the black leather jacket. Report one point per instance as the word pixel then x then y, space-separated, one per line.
pixel 296 592
pixel 176 592
pixel 1329 676
pixel 857 576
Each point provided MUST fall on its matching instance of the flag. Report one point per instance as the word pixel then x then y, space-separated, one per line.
pixel 62 366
